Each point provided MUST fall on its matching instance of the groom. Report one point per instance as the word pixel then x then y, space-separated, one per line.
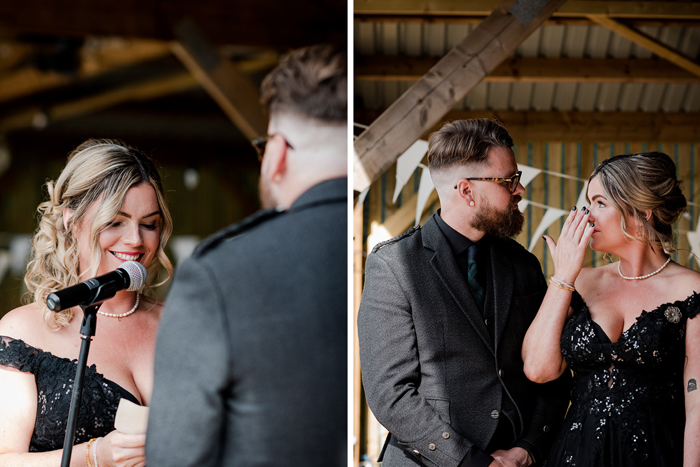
pixel 444 312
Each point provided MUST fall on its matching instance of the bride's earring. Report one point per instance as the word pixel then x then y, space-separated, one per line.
pixel 471 203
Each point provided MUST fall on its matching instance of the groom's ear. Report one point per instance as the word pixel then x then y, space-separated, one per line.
pixel 464 189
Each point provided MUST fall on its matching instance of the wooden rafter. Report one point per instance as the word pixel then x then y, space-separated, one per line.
pixel 41 116
pixel 422 106
pixel 655 10
pixel 97 57
pixel 558 21
pixel 535 70
pixel 237 96
pixel 647 42
pixel 580 126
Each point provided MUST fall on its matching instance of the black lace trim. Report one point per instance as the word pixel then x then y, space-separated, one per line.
pixel 54 380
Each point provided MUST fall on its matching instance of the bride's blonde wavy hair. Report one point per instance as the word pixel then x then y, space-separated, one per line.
pixel 637 183
pixel 101 170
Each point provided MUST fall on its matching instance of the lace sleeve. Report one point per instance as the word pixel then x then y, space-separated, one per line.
pixel 14 353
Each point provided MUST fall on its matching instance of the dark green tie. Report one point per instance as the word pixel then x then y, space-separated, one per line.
pixel 472 272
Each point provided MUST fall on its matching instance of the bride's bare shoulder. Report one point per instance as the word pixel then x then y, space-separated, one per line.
pixel 23 322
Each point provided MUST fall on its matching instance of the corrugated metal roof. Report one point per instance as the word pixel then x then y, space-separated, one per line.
pixel 551 41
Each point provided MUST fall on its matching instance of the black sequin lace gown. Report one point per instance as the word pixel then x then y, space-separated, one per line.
pixel 627 401
pixel 54 382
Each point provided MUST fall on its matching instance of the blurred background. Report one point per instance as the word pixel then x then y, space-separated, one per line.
pixel 595 79
pixel 176 79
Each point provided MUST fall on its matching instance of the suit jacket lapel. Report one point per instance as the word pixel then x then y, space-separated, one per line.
pixel 502 278
pixel 446 267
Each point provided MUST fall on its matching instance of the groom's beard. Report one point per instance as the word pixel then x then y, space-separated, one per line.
pixel 503 224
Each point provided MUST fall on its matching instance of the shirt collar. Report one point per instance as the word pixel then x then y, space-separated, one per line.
pixel 458 243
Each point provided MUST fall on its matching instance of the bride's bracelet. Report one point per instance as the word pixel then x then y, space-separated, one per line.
pixel 87 453
pixel 94 451
pixel 561 284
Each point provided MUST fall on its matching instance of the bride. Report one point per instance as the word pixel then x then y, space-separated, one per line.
pixel 626 329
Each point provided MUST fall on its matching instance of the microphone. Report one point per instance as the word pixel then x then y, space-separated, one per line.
pixel 131 275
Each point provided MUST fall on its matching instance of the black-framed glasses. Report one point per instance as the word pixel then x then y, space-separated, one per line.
pixel 260 143
pixel 513 180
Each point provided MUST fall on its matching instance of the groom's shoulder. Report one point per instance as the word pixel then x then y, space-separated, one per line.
pixel 398 243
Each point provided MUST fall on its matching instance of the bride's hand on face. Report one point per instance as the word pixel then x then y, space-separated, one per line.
pixel 569 251
pixel 121 450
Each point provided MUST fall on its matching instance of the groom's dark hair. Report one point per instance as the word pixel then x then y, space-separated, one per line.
pixel 466 142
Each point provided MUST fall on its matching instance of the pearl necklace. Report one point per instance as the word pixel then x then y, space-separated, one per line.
pixel 123 315
pixel 638 278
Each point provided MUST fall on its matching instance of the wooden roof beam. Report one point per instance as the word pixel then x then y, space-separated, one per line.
pixel 558 21
pixel 647 42
pixel 40 117
pixel 579 126
pixel 535 70
pixel 425 104
pixel 98 56
pixel 237 96
pixel 654 10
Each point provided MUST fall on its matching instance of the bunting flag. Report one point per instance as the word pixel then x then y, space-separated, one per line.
pixel 362 197
pixel 694 240
pixel 182 246
pixel 529 173
pixel 523 204
pixel 551 215
pixel 407 163
pixel 426 187
pixel 4 264
pixel 20 246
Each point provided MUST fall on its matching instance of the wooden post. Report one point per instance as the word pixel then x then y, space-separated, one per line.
pixel 357 277
pixel 424 104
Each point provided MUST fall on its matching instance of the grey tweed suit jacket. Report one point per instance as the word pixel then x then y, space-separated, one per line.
pixel 251 358
pixel 432 374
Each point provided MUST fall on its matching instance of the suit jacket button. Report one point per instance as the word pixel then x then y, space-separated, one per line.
pixel 495 414
pixel 446 435
pixel 431 446
pixel 500 373
pixel 546 429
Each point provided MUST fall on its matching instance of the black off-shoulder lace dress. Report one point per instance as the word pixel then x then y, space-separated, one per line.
pixel 54 382
pixel 627 402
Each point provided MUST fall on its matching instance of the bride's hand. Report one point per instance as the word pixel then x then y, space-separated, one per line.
pixel 569 251
pixel 121 450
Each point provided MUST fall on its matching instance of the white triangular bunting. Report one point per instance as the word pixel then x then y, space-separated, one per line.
pixel 551 215
pixel 407 163
pixel 529 173
pixel 694 240
pixel 523 204
pixel 426 187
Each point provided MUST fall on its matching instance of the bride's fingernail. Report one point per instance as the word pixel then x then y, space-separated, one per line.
pixel 574 208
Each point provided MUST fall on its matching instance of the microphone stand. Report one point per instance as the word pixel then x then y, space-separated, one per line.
pixel 87 331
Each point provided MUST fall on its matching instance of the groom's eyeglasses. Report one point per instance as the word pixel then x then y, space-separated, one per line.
pixel 513 181
pixel 260 143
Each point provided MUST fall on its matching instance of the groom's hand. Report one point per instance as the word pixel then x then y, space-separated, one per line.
pixel 514 457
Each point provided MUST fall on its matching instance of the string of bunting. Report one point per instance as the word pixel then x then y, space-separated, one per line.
pixel 410 160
